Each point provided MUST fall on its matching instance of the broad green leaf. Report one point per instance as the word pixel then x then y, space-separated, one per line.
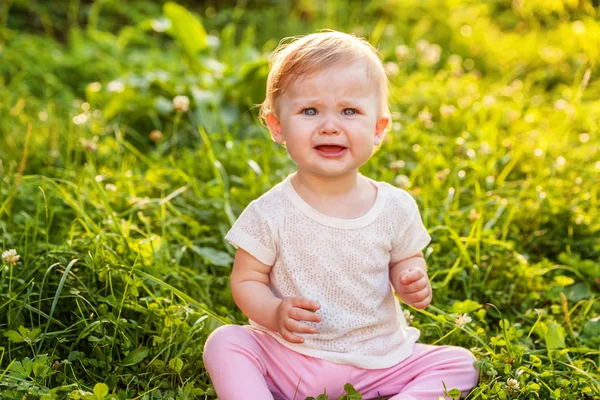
pixel 213 256
pixel 563 281
pixel 40 366
pixel 577 292
pixel 535 361
pixel 14 336
pixel 591 329
pixel 555 336
pixel 351 393
pixel 18 369
pixel 186 28
pixel 464 307
pixel 100 390
pixel 135 356
pixel 176 364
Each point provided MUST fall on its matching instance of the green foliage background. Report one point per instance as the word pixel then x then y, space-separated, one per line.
pixel 123 270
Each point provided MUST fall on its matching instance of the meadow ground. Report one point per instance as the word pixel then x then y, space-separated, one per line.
pixel 129 143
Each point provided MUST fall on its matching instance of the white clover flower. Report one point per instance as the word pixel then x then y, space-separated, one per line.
pixel 80 119
pixel 156 136
pixel 561 104
pixel 485 149
pixel 408 316
pixel 473 214
pixel 512 384
pixel 402 52
pixel 10 257
pixel 94 86
pixel 462 320
pixel 447 110
pixel 181 103
pixel 161 24
pixel 402 181
pixel 441 175
pixel 397 165
pixel 424 117
pixel 578 27
pixel 115 86
pixel 89 145
pixel 489 100
pixel 432 55
pixel 422 46
pixel 391 68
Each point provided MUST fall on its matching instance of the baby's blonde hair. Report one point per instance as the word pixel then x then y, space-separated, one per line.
pixel 308 54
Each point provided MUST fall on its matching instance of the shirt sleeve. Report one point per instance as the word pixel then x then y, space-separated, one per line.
pixel 254 233
pixel 411 235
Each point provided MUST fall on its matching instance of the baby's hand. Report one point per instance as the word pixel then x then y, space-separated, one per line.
pixel 292 310
pixel 415 288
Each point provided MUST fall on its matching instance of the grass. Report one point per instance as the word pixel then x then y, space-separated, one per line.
pixel 123 269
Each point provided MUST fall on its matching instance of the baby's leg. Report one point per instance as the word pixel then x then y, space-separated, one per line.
pixel 233 360
pixel 421 375
pixel 245 363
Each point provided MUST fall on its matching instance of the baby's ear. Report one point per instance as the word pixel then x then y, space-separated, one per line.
pixel 381 126
pixel 274 126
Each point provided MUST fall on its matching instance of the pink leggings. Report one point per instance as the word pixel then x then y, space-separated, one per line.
pixel 245 363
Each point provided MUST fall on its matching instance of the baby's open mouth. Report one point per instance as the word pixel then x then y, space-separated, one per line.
pixel 328 148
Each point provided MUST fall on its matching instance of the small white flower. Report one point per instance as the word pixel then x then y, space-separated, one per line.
pixel 402 181
pixel 115 86
pixel 408 316
pixel 160 25
pixel 432 55
pixel 156 136
pixel 489 100
pixel 561 104
pixel 80 119
pixel 181 103
pixel 402 52
pixel 422 45
pixel 425 118
pixel 512 384
pixel 10 257
pixel 485 149
pixel 392 68
pixel 397 165
pixel 110 187
pixel 578 27
pixel 447 110
pixel 89 144
pixel 94 86
pixel 462 320
pixel 441 175
pixel 473 214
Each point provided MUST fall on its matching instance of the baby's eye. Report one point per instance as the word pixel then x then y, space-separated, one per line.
pixel 309 111
pixel 349 111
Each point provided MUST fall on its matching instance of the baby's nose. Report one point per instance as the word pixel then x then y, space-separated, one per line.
pixel 329 125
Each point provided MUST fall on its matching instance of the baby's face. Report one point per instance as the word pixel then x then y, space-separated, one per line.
pixel 330 120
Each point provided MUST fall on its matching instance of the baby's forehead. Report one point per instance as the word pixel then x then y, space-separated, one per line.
pixel 345 80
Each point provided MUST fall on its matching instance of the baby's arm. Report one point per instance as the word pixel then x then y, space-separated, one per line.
pixel 252 294
pixel 409 279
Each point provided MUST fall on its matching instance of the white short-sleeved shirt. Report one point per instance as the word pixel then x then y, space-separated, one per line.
pixel 343 264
